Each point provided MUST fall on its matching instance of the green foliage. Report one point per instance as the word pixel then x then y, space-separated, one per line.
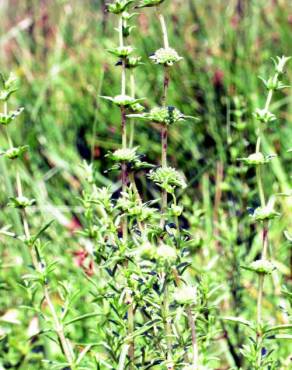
pixel 139 257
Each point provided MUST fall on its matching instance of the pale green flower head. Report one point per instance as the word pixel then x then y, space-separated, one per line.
pixel 15 152
pixel 167 253
pixel 128 156
pixel 273 84
pixel 167 178
pixel 6 119
pixel 165 56
pixel 121 51
pixel 256 159
pixel 176 210
pixel 133 62
pixel 88 172
pixel 20 202
pixel 103 196
pixel 119 6
pixel 162 115
pixel 264 213
pixel 149 3
pixel 186 295
pixel 123 100
pixel 264 116
pixel 124 155
pixel 261 267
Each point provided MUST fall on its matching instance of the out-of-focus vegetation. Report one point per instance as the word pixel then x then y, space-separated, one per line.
pixel 58 49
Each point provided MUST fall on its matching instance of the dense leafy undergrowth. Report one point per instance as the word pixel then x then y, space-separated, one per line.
pixel 145 185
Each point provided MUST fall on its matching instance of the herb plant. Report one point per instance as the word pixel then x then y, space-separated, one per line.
pixel 38 277
pixel 259 352
pixel 152 261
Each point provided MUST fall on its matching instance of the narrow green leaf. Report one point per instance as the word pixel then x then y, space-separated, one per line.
pixel 278 328
pixel 238 320
pixel 82 317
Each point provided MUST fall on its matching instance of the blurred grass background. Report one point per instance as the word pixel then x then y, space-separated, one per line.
pixel 58 50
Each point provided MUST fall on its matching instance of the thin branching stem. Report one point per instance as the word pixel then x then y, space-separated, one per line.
pixel 167 324
pixel 260 186
pixel 265 229
pixel 164 139
pixel 65 345
pixel 133 94
pixel 121 41
pixel 131 318
pixel 192 325
pixel 163 29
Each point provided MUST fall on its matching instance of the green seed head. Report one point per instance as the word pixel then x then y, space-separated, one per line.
pixel 264 116
pixel 121 51
pixel 265 213
pixel 176 210
pixel 119 6
pixel 6 119
pixel 15 152
pixel 149 3
pixel 124 155
pixel 163 115
pixel 167 178
pixel 20 202
pixel 123 100
pixel 166 253
pixel 166 57
pixel 262 267
pixel 186 295
pixel 256 159
pixel 133 62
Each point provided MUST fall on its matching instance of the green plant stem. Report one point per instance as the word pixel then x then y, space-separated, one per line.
pixel 164 139
pixel 121 42
pixel 124 146
pixel 191 320
pixel 167 324
pixel 265 230
pixel 163 29
pixel 164 134
pixel 37 265
pixel 123 357
pixel 95 113
pixel 165 85
pixel 175 217
pixel 260 186
pixel 131 318
pixel 131 328
pixel 192 324
pixel 67 350
pixel 133 183
pixel 164 131
pixel 124 127
pixel 133 94
pixel 270 93
pixel 60 330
